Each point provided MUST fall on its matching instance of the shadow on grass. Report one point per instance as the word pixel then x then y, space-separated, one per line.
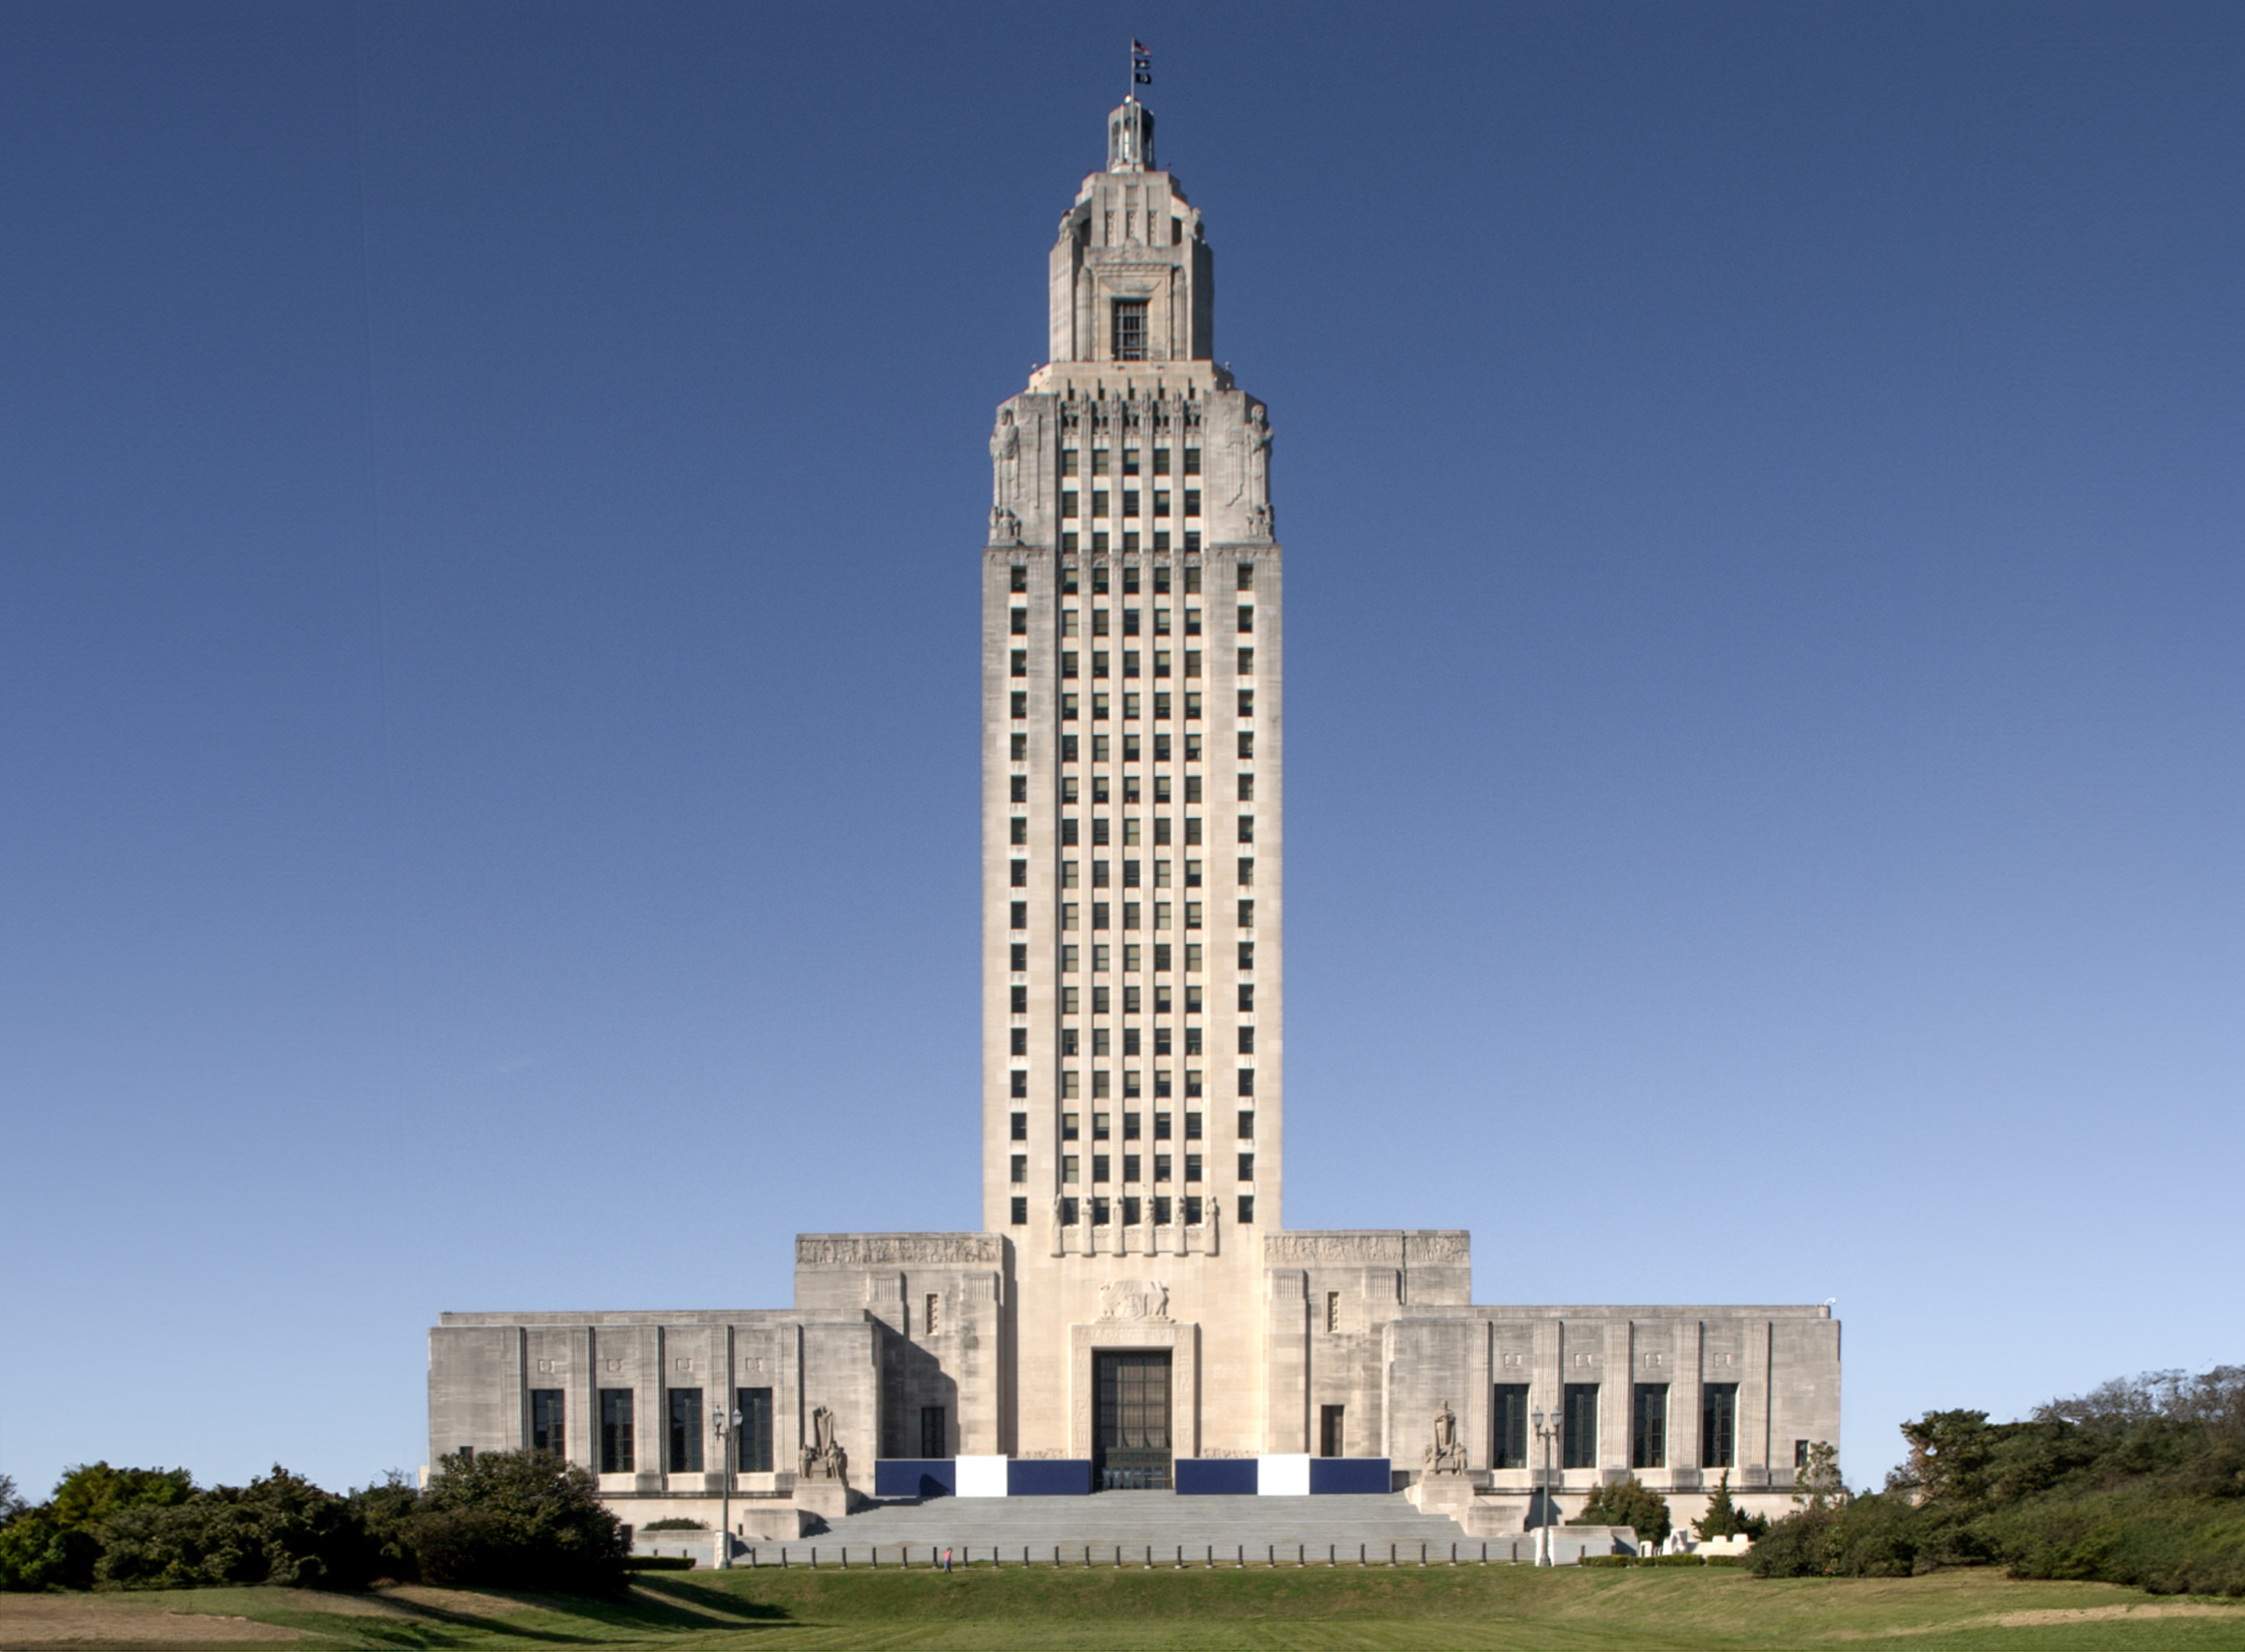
pixel 663 1608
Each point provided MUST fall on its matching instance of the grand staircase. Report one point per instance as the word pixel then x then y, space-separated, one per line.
pixel 1137 1529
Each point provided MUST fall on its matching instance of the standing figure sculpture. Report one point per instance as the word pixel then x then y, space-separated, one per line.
pixel 1006 463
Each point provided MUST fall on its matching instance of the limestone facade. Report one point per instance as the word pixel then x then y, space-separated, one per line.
pixel 1133 1106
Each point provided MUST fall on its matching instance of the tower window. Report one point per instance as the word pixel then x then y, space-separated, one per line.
pixel 1129 336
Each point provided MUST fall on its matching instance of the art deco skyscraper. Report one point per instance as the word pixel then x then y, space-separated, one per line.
pixel 1132 845
pixel 1131 1301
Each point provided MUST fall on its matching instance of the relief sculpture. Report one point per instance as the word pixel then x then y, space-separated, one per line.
pixel 1134 1299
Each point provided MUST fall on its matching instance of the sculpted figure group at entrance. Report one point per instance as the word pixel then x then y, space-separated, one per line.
pixel 1446 1452
pixel 822 1458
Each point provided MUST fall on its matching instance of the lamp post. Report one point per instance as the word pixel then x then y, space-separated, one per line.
pixel 725 1425
pixel 1546 1437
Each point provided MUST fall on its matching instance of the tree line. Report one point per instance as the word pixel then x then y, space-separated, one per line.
pixel 499 1520
pixel 2141 1482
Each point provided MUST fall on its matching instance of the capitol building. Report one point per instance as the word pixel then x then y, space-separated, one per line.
pixel 1133 1310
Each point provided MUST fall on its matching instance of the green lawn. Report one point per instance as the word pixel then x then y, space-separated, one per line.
pixel 1468 1606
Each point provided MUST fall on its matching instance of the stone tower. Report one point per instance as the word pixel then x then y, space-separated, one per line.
pixel 1132 1300
pixel 1133 1105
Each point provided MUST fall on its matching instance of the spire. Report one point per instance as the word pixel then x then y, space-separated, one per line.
pixel 1130 138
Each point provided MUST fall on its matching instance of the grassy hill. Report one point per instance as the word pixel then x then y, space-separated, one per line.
pixel 1519 1608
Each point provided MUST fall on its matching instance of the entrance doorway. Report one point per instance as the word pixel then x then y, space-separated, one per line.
pixel 1332 1435
pixel 1131 1437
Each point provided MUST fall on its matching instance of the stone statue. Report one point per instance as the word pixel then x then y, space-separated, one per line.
pixel 1005 462
pixel 1258 460
pixel 1446 1455
pixel 1005 526
pixel 822 1458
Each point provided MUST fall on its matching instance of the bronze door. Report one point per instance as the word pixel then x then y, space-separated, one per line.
pixel 1130 1444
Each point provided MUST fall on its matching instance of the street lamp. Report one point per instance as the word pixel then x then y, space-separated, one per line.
pixel 1546 1437
pixel 725 1425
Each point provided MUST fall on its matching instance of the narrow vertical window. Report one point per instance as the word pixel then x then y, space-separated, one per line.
pixel 685 1454
pixel 1648 1426
pixel 1509 1426
pixel 1719 1426
pixel 1130 329
pixel 755 1434
pixel 616 1456
pixel 1578 1446
pixel 546 1429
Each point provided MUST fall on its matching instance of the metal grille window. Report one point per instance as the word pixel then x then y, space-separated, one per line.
pixel 546 1432
pixel 616 1456
pixel 1579 1447
pixel 1129 336
pixel 685 1455
pixel 1648 1429
pixel 1718 1424
pixel 755 1434
pixel 1508 1417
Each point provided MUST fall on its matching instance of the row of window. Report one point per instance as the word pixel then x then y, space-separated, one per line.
pixel 1018 625
pixel 1071 543
pixel 1126 461
pixel 1134 1210
pixel 1166 875
pixel 1102 1084
pixel 1103 578
pixel 1578 1426
pixel 1071 667
pixel 1103 913
pixel 1071 1167
pixel 1134 874
pixel 1101 791
pixel 1103 503
pixel 1134 999
pixel 1103 955
pixel 1102 831
pixel 1103 1038
pixel 616 1449
pixel 1102 1126
pixel 1103 703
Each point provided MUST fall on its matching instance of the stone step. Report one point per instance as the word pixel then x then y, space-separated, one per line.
pixel 1092 1530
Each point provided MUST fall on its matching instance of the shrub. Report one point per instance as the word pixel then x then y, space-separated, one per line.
pixel 279 1530
pixel 1607 1560
pixel 58 1545
pixel 517 1519
pixel 1627 1502
pixel 1724 1519
pixel 660 1562
pixel 676 1523
pixel 383 1510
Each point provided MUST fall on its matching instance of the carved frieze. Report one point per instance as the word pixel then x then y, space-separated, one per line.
pixel 1338 1249
pixel 875 1250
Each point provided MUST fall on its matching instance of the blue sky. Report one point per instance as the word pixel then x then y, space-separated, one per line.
pixel 489 504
